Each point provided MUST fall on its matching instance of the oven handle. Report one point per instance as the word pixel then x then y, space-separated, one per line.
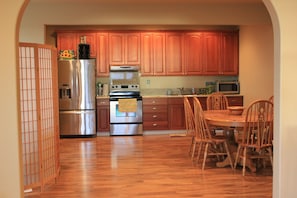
pixel 117 98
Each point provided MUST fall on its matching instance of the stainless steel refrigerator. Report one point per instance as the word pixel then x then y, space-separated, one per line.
pixel 77 97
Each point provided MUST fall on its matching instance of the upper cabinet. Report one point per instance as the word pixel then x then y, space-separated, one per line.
pixel 102 60
pixel 229 53
pixel 152 54
pixel 67 41
pixel 211 53
pixel 124 48
pixel 71 40
pixel 171 53
pixel 193 53
pixel 174 45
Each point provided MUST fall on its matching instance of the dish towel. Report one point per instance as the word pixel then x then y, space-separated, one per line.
pixel 128 105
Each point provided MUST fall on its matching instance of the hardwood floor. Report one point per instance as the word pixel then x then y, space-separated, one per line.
pixel 146 166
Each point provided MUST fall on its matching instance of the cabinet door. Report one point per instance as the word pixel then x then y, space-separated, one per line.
pixel 152 54
pixel 102 55
pixel 67 41
pixel 91 40
pixel 124 48
pixel 132 48
pixel 116 48
pixel 176 114
pixel 229 53
pixel 174 54
pixel 147 54
pixel 193 53
pixel 103 124
pixel 211 53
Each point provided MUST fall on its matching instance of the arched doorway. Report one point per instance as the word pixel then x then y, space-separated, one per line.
pixel 277 54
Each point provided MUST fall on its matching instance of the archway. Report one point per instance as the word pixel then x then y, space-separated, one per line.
pixel 276 73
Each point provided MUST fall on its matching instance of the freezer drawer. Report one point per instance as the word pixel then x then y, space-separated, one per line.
pixel 77 122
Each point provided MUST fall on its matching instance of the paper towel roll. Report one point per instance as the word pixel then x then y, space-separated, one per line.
pixel 105 90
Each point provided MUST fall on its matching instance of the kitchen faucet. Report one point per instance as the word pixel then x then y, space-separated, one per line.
pixel 181 90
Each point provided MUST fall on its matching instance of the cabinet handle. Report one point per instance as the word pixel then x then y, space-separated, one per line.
pixel 154 108
pixel 155 116
pixel 155 124
pixel 153 102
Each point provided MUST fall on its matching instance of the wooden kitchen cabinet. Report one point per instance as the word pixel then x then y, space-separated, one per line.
pixel 176 113
pixel 174 46
pixel 152 54
pixel 103 121
pixel 124 48
pixel 102 61
pixel 155 114
pixel 229 53
pixel 233 100
pixel 202 53
pixel 67 41
pixel 71 40
pixel 211 53
pixel 172 53
pixel 193 53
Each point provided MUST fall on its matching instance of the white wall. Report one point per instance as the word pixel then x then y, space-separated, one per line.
pixel 115 12
pixel 256 62
pixel 285 178
pixel 11 183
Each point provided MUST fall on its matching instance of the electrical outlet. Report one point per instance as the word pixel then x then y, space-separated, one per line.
pixel 148 82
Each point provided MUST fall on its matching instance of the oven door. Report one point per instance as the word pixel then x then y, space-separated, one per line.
pixel 125 117
pixel 125 123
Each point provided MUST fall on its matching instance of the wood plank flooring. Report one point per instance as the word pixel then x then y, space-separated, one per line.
pixel 146 166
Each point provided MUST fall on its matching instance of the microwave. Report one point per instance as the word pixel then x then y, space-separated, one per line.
pixel 228 87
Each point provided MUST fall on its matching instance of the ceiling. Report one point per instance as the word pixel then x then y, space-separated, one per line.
pixel 170 2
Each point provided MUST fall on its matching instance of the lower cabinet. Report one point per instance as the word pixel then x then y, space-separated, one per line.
pixel 176 113
pixel 232 101
pixel 103 115
pixel 159 113
pixel 163 113
pixel 155 114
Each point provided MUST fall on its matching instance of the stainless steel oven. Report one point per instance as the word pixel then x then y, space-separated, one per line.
pixel 125 101
pixel 126 122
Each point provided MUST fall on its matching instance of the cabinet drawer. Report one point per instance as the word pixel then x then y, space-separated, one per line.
pixel 154 108
pixel 155 116
pixel 103 102
pixel 154 101
pixel 158 125
pixel 235 100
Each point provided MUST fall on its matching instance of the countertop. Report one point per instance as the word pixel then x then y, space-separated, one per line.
pixel 167 96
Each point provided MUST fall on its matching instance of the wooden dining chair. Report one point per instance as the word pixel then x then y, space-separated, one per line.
pixel 216 101
pixel 190 124
pixel 256 142
pixel 212 146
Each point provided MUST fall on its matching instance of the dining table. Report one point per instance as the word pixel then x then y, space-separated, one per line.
pixel 234 125
pixel 224 118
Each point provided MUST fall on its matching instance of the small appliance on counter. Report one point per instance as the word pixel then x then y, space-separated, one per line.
pixel 228 87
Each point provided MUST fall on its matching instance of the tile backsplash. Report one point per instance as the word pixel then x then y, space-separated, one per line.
pixel 158 85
